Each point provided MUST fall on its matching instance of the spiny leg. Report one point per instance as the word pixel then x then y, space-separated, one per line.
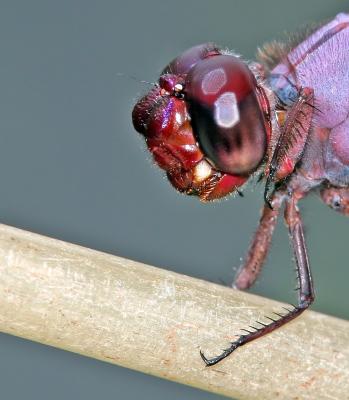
pixel 294 223
pixel 306 292
pixel 258 250
pixel 293 136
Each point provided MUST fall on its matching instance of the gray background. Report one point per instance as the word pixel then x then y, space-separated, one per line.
pixel 72 167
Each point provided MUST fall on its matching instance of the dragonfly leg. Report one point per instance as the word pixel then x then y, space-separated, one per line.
pixel 293 137
pixel 259 247
pixel 294 222
pixel 306 292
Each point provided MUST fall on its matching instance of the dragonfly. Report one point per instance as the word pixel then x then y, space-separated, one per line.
pixel 214 122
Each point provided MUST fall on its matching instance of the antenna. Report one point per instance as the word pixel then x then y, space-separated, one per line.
pixel 137 79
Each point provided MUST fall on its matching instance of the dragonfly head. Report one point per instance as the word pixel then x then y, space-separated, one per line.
pixel 206 123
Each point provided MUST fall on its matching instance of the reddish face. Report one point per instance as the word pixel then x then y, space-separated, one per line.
pixel 206 122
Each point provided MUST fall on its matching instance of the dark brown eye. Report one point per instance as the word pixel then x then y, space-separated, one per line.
pixel 183 63
pixel 225 113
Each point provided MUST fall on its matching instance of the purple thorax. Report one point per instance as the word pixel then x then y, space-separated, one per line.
pixel 321 62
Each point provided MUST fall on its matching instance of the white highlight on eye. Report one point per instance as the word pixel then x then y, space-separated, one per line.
pixel 213 81
pixel 202 171
pixel 226 111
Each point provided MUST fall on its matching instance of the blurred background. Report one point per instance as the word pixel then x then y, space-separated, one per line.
pixel 72 167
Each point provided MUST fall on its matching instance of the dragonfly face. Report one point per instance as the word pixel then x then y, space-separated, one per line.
pixel 213 121
pixel 207 123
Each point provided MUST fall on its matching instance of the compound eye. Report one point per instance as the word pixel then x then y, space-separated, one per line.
pixel 226 117
pixel 183 63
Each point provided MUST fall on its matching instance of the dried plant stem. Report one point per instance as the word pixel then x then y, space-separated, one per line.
pixel 155 321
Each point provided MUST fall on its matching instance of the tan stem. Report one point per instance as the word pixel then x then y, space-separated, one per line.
pixel 155 321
